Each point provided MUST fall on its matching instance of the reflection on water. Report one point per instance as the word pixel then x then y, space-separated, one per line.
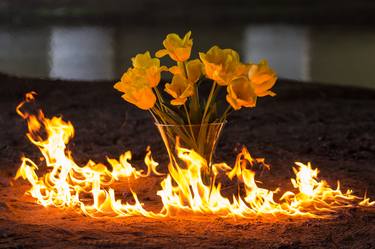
pixel 81 53
pixel 334 55
pixel 285 47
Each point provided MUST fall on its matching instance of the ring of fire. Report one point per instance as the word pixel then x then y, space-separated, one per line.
pixel 66 183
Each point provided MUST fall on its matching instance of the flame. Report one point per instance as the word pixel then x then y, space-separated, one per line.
pixel 67 184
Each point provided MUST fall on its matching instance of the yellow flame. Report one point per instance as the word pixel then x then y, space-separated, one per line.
pixel 67 184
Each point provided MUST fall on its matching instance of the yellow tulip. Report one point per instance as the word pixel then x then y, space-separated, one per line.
pixel 149 67
pixel 182 85
pixel 262 78
pixel 193 70
pixel 180 89
pixel 222 65
pixel 177 48
pixel 136 89
pixel 241 93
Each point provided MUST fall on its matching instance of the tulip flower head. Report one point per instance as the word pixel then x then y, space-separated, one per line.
pixel 177 48
pixel 181 102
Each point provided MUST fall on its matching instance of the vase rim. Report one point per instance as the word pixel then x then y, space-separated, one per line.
pixel 213 124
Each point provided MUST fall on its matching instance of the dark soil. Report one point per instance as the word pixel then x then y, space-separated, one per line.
pixel 332 127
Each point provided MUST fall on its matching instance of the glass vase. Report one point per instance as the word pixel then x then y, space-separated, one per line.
pixel 202 138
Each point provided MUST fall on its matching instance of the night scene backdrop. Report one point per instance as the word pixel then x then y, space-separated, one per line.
pixel 72 52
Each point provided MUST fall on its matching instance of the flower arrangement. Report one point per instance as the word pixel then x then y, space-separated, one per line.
pixel 182 103
pixel 243 82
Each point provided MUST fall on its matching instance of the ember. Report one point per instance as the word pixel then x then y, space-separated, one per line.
pixel 182 189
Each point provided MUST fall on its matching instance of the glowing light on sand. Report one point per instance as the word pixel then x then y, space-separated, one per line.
pixel 67 184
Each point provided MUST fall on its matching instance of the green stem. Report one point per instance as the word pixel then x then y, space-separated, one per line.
pixel 226 113
pixel 187 114
pixel 194 99
pixel 159 96
pixel 182 66
pixel 155 112
pixel 209 101
pixel 190 127
pixel 153 115
pixel 165 119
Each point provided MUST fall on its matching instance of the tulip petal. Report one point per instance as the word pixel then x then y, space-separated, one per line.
pixel 175 70
pixel 187 37
pixel 119 86
pixel 221 65
pixel 241 93
pixel 143 98
pixel 161 53
pixel 194 70
pixel 180 89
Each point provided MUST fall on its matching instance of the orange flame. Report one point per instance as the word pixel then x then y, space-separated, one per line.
pixel 182 190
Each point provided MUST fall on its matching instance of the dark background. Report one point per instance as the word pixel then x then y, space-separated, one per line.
pixel 318 41
pixel 184 12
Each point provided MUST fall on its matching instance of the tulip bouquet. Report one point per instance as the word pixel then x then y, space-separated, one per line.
pixel 180 103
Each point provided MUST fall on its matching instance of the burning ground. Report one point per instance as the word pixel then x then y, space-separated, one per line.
pixel 332 127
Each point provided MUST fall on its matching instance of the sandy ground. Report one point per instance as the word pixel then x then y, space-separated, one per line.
pixel 333 127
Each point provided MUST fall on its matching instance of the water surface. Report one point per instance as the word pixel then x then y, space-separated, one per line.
pixel 337 55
